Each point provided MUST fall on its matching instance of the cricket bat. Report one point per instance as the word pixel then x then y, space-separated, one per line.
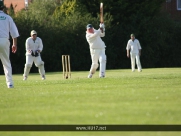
pixel 101 13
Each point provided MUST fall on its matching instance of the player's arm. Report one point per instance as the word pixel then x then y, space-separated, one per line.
pixel 139 47
pixel 14 33
pixel 14 46
pixel 40 47
pixel 128 48
pixel 128 53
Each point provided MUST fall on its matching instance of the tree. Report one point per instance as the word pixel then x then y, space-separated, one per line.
pixel 11 10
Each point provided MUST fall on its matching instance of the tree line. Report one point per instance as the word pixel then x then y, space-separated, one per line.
pixel 61 24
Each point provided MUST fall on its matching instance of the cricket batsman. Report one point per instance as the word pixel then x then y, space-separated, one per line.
pixel 97 49
pixel 34 46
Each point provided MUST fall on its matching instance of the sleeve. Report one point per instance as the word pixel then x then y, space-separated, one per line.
pixel 13 29
pixel 27 46
pixel 40 46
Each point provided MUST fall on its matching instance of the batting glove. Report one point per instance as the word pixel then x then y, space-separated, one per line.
pixel 32 54
pixel 101 25
pixel 102 30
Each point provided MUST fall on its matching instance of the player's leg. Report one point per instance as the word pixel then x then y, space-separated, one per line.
pixel 40 64
pixel 133 56
pixel 138 63
pixel 28 65
pixel 102 61
pixel 4 55
pixel 95 58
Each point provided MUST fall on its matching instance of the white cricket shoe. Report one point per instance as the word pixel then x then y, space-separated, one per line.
pixel 10 86
pixel 102 76
pixel 90 76
pixel 139 70
pixel 43 77
pixel 25 78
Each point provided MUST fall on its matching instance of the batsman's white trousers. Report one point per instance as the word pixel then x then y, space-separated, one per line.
pixel 98 55
pixel 38 62
pixel 4 56
pixel 138 63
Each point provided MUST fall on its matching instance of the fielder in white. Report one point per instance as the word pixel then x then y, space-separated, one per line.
pixel 97 49
pixel 134 49
pixel 34 46
pixel 7 26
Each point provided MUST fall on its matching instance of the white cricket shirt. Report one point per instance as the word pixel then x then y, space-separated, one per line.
pixel 7 26
pixel 33 45
pixel 134 46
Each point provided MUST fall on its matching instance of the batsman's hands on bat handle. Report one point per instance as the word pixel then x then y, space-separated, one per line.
pixel 14 48
pixel 101 25
pixel 102 31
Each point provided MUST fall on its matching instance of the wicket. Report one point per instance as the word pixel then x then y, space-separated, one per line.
pixel 66 66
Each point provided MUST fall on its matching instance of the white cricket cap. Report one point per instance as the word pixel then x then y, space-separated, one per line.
pixel 33 32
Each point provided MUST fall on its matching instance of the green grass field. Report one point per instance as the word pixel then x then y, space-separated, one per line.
pixel 123 97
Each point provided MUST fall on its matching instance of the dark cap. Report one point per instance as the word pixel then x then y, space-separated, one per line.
pixel 89 26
